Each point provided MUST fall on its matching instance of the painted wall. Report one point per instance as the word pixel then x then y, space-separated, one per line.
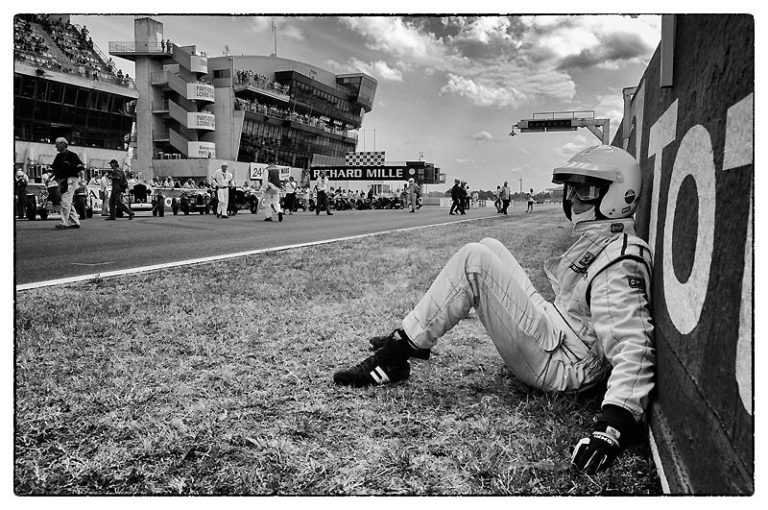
pixel 694 140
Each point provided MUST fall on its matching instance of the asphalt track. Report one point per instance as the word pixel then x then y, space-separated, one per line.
pixel 44 254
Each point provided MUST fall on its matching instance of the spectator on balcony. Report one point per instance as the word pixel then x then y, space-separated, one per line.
pixel 168 46
pixel 162 45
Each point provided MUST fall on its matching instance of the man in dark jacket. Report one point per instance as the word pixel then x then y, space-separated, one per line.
pixel 20 190
pixel 455 197
pixel 463 197
pixel 119 185
pixel 66 168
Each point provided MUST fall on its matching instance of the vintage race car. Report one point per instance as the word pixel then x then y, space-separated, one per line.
pixel 192 200
pixel 41 202
pixel 240 198
pixel 139 197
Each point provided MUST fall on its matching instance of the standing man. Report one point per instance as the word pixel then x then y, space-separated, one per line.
pixel 103 195
pixel 530 201
pixel 222 179
pixel 66 168
pixel 412 191
pixel 505 196
pixel 290 195
pixel 119 185
pixel 272 194
pixel 455 197
pixel 322 194
pixel 20 190
pixel 497 199
pixel 463 197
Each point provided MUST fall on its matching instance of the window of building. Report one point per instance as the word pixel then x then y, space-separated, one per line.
pixel 82 98
pixel 70 95
pixel 55 92
pixel 27 88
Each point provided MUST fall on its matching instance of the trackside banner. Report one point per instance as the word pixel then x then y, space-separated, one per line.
pixel 375 173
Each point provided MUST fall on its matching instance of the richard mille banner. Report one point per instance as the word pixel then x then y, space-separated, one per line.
pixel 377 173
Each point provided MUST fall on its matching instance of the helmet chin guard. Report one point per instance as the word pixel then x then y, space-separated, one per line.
pixel 607 166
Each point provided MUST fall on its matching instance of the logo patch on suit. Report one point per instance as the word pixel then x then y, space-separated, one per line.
pixel 636 282
pixel 587 259
pixel 581 265
pixel 616 228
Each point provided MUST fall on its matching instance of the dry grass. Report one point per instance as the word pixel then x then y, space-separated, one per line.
pixel 216 379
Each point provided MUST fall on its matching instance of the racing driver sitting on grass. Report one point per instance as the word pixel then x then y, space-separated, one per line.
pixel 599 326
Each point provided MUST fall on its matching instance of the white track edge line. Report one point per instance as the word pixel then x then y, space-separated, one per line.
pixel 657 460
pixel 214 258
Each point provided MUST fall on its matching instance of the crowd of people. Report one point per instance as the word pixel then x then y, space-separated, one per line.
pixel 25 39
pixel 248 77
pixel 31 47
pixel 283 113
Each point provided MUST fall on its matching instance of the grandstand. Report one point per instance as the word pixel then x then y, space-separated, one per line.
pixel 64 85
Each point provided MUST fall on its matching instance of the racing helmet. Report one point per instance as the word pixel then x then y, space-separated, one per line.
pixel 614 172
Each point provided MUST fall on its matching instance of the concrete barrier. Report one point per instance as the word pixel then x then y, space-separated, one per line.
pixel 691 126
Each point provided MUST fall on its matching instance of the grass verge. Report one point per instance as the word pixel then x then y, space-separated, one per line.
pixel 216 379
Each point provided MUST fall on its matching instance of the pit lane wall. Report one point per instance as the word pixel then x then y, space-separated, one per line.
pixel 690 124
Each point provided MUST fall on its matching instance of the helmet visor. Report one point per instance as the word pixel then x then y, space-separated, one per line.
pixel 583 191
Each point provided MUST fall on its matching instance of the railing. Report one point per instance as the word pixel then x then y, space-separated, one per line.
pixel 278 113
pixel 586 114
pixel 133 47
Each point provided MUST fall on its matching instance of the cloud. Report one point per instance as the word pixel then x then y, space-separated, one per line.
pixel 567 150
pixel 481 135
pixel 611 107
pixel 291 32
pixel 481 92
pixel 260 24
pixel 578 42
pixel 505 61
pixel 613 49
pixel 397 37
pixel 378 69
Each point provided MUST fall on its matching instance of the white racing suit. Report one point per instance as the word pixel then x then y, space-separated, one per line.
pixel 271 199
pixel 598 324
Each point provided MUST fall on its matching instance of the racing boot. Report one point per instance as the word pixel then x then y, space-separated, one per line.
pixel 388 364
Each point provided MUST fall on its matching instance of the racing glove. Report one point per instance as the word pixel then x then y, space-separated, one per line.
pixel 615 428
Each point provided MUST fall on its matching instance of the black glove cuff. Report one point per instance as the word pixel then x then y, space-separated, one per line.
pixel 621 420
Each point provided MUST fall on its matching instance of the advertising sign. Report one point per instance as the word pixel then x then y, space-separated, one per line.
pixel 201 120
pixel 201 150
pixel 371 173
pixel 200 91
pixel 694 138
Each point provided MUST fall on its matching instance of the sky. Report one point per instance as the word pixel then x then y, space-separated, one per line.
pixel 450 88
